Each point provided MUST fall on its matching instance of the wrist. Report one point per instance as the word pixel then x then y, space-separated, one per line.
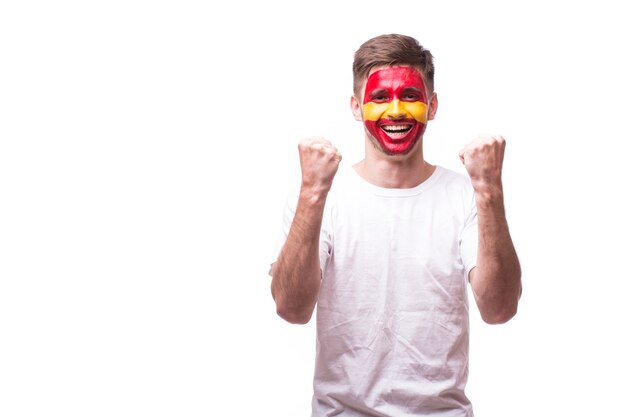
pixel 313 194
pixel 487 186
pixel 489 198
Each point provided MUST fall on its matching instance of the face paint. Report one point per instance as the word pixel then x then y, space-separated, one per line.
pixel 394 108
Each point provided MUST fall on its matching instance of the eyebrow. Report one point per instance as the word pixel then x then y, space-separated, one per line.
pixel 378 91
pixel 412 90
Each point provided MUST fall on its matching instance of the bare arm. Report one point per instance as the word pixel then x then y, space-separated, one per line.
pixel 296 275
pixel 496 279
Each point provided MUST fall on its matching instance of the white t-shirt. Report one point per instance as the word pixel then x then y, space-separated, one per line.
pixel 392 313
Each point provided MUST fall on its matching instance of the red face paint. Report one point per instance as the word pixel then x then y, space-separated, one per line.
pixel 395 109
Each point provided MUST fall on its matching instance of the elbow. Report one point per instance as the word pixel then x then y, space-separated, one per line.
pixel 500 310
pixel 497 318
pixel 500 316
pixel 295 306
pixel 500 306
pixel 292 315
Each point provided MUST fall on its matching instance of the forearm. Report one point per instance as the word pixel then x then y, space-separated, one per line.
pixel 296 275
pixel 496 280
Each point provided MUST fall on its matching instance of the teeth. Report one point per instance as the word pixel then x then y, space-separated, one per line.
pixel 396 128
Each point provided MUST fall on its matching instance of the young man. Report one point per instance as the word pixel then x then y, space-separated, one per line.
pixel 385 248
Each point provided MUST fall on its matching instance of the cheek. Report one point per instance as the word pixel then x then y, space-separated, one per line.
pixel 372 127
pixel 374 111
pixel 418 110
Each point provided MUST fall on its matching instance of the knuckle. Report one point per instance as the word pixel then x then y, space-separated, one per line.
pixel 304 144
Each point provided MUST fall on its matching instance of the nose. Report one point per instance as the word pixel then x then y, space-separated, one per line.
pixel 396 110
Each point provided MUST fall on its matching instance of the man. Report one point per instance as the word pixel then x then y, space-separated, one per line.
pixel 385 248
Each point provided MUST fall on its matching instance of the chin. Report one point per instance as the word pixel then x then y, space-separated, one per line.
pixel 387 146
pixel 404 149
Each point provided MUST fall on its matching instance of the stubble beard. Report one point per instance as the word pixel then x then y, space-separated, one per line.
pixel 387 152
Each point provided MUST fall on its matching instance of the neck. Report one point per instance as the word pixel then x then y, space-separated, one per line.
pixel 394 171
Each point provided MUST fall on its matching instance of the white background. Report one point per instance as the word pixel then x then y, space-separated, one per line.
pixel 146 151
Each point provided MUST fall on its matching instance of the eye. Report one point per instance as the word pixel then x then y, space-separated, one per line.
pixel 379 98
pixel 411 97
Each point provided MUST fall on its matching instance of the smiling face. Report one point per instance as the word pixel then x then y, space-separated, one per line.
pixel 395 108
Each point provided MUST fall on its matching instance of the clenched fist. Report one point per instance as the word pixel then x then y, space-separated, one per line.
pixel 319 161
pixel 483 158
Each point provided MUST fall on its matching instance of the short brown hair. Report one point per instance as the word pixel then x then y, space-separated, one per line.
pixel 389 50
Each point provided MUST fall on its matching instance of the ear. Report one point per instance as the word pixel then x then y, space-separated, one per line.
pixel 432 106
pixel 356 109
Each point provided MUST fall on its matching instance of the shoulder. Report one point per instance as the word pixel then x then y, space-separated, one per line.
pixel 451 176
pixel 453 179
pixel 456 187
pixel 342 182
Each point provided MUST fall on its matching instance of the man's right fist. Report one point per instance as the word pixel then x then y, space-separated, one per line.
pixel 319 161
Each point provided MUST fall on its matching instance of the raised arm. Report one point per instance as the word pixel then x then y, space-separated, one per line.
pixel 296 274
pixel 496 279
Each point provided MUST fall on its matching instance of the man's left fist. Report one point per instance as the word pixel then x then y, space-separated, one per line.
pixel 483 158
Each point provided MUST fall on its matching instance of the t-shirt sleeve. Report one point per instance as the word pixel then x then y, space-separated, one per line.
pixel 469 238
pixel 288 215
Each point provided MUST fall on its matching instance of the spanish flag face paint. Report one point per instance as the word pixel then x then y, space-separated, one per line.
pixel 395 109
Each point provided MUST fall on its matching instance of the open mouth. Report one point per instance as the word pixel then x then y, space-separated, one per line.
pixel 397 131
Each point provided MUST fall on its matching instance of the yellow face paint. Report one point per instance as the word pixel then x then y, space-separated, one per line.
pixel 416 110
